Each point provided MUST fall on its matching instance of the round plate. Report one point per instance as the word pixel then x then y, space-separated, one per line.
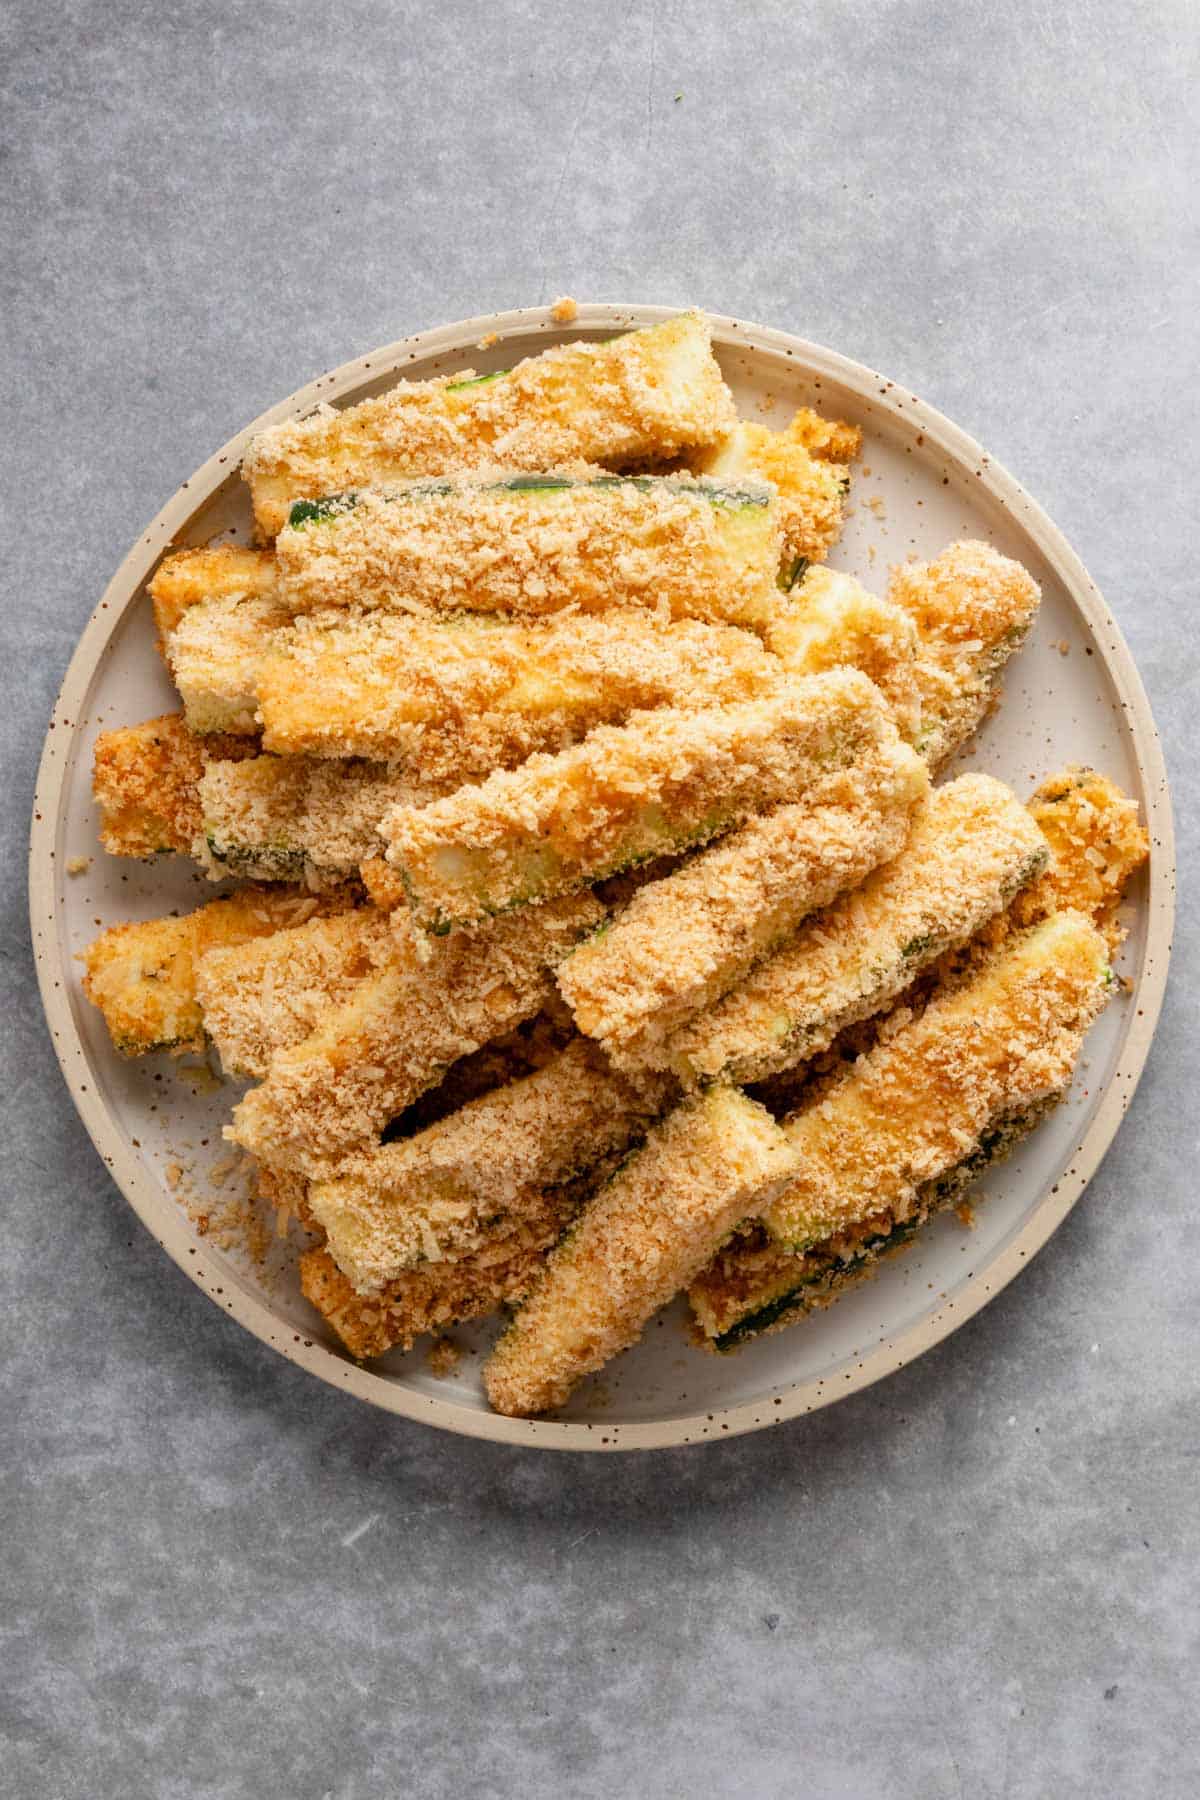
pixel 1073 695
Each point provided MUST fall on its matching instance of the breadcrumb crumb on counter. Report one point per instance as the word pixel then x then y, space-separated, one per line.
pixel 644 1236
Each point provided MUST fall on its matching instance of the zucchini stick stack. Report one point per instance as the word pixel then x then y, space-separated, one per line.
pixel 567 628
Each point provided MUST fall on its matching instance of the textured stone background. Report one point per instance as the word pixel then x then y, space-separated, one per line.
pixel 217 1577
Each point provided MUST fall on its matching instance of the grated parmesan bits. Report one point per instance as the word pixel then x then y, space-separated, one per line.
pixel 906 1113
pixel 665 781
pixel 753 1288
pixel 471 693
pixel 289 818
pixel 189 578
pixel 439 1195
pixel 972 608
pixel 261 997
pixel 436 1295
pixel 972 848
pixel 810 483
pixel 146 780
pixel 532 545
pixel 642 397
pixel 646 1234
pixel 144 977
pixel 684 941
pixel 399 1030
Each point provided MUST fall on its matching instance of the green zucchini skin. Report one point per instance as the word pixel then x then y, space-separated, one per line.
pixel 732 498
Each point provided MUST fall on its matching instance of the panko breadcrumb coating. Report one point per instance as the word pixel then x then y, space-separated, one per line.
pixel 372 1055
pixel 1098 844
pixel 436 1295
pixel 144 977
pixel 472 693
pixel 664 781
pixel 437 1196
pixel 531 545
pixel 187 578
pixel 972 847
pixel 811 488
pixel 684 941
pixel 830 621
pixel 643 397
pixel 753 1288
pixel 146 779
pixel 260 997
pixel 972 608
pixel 288 818
pixel 906 1113
pixel 646 1234
pixel 214 656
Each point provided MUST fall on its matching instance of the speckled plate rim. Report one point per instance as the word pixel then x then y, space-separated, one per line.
pixel 169 1224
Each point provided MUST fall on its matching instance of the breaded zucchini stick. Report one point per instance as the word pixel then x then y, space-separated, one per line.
pixel 214 656
pixel 972 848
pixel 144 977
pixel 146 781
pixel 437 1295
pixel 752 1287
pixel 189 578
pixel 1097 843
pixel 372 1055
pixel 472 693
pixel 260 997
pixel 642 397
pixel 439 1195
pixel 812 487
pixel 684 941
pixel 286 818
pixel 1003 1039
pixel 646 1234
pixel 536 544
pixel 972 608
pixel 625 794
pixel 831 621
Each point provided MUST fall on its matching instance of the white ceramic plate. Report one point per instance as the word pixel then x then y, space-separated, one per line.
pixel 1072 695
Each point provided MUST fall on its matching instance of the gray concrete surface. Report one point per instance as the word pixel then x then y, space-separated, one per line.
pixel 218 1578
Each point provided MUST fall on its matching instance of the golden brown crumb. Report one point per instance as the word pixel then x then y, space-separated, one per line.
pixel 147 780
pixel 564 310
pixel 371 1056
pixel 443 1357
pixel 645 1235
pixel 1097 844
pixel 691 548
pixel 626 793
pixel 436 1196
pixel 684 941
pixel 913 1107
pixel 438 1294
pixel 78 865
pixel 971 847
pixel 645 396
